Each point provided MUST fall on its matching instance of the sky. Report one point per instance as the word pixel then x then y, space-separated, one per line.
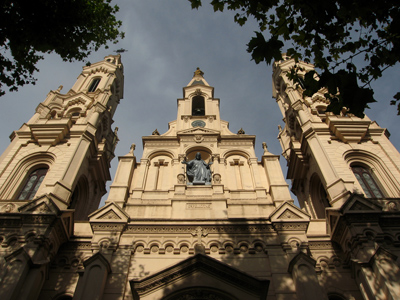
pixel 166 42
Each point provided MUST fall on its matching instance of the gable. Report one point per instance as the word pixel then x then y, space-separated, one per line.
pixel 198 130
pixel 359 204
pixel 289 212
pixel 200 275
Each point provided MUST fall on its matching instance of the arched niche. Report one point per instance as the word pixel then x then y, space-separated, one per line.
pixel 200 292
pixel 319 197
pixel 159 172
pixel 205 154
pixel 80 199
pixel 238 171
pixel 198 170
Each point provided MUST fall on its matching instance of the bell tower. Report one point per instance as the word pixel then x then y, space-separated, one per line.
pixel 346 174
pixel 64 150
pixel 330 157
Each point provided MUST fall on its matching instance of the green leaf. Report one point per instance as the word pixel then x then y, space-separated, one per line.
pixel 262 50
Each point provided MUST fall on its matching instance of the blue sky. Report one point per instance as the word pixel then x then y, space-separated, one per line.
pixel 166 41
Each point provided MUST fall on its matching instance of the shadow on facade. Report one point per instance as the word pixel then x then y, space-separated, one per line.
pixel 248 259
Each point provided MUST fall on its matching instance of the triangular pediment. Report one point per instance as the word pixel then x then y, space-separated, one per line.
pixel 41 205
pixel 359 204
pixel 333 216
pixel 289 212
pixel 110 215
pixel 299 259
pixel 198 130
pixel 111 212
pixel 200 274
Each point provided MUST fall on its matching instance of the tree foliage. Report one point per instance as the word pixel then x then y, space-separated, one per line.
pixel 70 28
pixel 350 42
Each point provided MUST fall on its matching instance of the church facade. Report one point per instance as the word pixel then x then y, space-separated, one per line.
pixel 198 216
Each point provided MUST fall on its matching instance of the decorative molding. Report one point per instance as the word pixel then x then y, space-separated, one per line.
pixel 291 226
pixel 250 229
pixel 107 227
pixel 198 138
pixel 328 245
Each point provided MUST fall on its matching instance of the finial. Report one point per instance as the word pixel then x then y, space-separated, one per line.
pixel 133 146
pixel 155 132
pixel 241 131
pixel 198 72
pixel 60 88
pixel 264 145
pixel 280 128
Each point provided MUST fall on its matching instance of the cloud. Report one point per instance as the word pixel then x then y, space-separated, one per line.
pixel 166 41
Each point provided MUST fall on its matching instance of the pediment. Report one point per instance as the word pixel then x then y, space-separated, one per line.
pixel 289 212
pixel 359 204
pixel 333 217
pixel 198 130
pixel 111 212
pixel 197 275
pixel 299 259
pixel 41 205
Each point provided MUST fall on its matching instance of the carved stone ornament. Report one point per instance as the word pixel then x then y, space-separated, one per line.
pixel 181 178
pixel 391 206
pixel 197 92
pixel 217 178
pixel 110 215
pixel 241 131
pixel 287 214
pixel 198 138
pixel 9 207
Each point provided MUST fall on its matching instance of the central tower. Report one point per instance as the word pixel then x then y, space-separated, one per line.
pixel 162 185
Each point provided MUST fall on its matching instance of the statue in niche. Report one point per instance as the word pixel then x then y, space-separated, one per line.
pixel 198 171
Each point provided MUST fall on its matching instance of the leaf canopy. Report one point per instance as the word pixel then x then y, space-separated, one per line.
pixel 351 43
pixel 70 28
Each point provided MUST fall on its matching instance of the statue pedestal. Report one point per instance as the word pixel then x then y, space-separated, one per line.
pixel 198 182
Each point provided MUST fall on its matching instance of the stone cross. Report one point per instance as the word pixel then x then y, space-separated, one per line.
pixel 199 232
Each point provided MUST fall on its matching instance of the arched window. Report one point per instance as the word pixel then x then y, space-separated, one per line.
pixel 32 184
pixel 367 182
pixel 198 106
pixel 94 84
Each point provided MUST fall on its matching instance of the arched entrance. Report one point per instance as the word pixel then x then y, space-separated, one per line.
pixel 199 293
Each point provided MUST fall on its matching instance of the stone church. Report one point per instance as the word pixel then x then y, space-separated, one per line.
pixel 198 216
